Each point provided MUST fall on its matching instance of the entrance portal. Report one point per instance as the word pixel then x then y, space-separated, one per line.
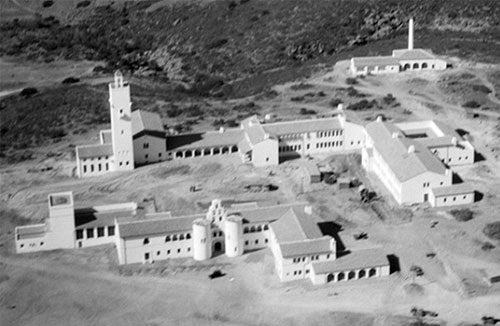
pixel 218 246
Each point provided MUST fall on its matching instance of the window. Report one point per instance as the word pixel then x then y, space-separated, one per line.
pixel 111 230
pixel 188 236
pixel 120 163
pixel 145 241
pixel 100 232
pixel 174 237
pixel 167 238
pixel 444 200
pixel 127 162
pixel 181 237
pixel 256 241
pixel 454 198
pixel 122 131
pixel 215 234
pixel 189 249
pixel 179 250
pixel 266 241
pixel 145 145
pixel 168 252
pixel 465 196
pixel 146 156
pixel 90 233
pixel 159 154
pixel 91 167
pixel 246 243
pixel 79 234
pixel 107 166
pixel 41 243
pixel 99 167
pixel 157 253
pixel 84 169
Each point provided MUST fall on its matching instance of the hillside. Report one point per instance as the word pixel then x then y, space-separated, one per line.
pixel 208 45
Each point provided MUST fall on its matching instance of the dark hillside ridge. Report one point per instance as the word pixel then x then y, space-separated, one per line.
pixel 208 47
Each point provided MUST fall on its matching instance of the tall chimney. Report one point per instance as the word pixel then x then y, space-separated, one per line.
pixel 410 34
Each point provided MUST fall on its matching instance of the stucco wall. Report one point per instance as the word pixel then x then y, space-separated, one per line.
pixel 155 151
pixel 265 153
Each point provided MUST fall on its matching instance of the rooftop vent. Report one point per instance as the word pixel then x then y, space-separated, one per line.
pixel 308 209
pixel 395 134
pixel 454 141
pixel 411 149
pixel 221 130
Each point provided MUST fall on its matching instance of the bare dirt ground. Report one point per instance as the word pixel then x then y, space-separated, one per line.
pixel 84 287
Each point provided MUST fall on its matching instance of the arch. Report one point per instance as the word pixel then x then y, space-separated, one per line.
pixel 181 237
pixel 361 273
pixel 167 238
pixel 188 153
pixel 266 227
pixel 216 151
pixel 197 152
pixel 206 151
pixel 218 246
pixel 351 275
pixel 225 150
pixel 424 65
pixel 341 276
pixel 174 237
pixel 188 235
pixel 415 66
pixel 178 154
pixel 330 278
pixel 234 149
pixel 259 228
pixel 372 272
pixel 252 229
pixel 145 241
pixel 245 230
pixel 406 66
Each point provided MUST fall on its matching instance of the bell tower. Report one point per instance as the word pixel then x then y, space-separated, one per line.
pixel 121 124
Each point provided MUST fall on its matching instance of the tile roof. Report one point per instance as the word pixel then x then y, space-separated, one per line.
pixel 456 189
pixel 394 151
pixel 144 120
pixel 415 54
pixel 366 258
pixel 306 247
pixel 208 139
pixel 254 131
pixel 295 225
pixel 360 62
pixel 302 126
pixel 89 151
pixel 157 226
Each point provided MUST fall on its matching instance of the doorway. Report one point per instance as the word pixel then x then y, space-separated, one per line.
pixel 218 246
pixel 426 197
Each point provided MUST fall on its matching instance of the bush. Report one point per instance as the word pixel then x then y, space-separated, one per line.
pixel 389 99
pixel 492 230
pixel 335 102
pixel 481 88
pixel 194 111
pixel 28 91
pixel 297 98
pixel 83 4
pixel 216 44
pixel 462 215
pixel 301 86
pixel 471 105
pixel 362 105
pixel 70 80
pixel 487 246
pixel 351 81
pixel 305 111
pixel 47 3
pixel 173 112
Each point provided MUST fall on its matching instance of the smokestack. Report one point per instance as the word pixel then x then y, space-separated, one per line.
pixel 410 34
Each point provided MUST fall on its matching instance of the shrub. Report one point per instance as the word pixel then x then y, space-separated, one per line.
pixel 173 112
pixel 471 105
pixel 321 94
pixel 216 44
pixel 301 86
pixel 407 112
pixel 83 4
pixel 218 122
pixel 492 230
pixel 487 246
pixel 28 91
pixel 351 81
pixel 335 102
pixel 70 80
pixel 232 123
pixel 297 98
pixel 362 105
pixel 351 91
pixel 194 111
pixel 481 88
pixel 232 5
pixel 305 111
pixel 389 99
pixel 47 3
pixel 462 215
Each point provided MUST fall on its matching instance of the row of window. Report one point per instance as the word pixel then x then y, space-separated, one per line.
pixel 295 273
pixel 98 166
pixel 100 232
pixel 171 237
pixel 329 144
pixel 303 259
pixel 290 148
pixel 330 133
pixel 126 163
pixel 255 228
pixel 247 243
pixel 454 198
pixel 31 245
pixel 158 253
pixel 94 158
pixel 146 156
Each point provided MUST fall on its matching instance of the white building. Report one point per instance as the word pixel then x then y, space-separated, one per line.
pixel 300 249
pixel 401 60
pixel 413 161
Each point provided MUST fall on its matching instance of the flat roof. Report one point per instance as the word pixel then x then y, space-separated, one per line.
pixel 89 217
pixel 302 126
pixel 456 189
pixel 30 231
pixel 359 259
pixel 204 140
pixel 90 151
